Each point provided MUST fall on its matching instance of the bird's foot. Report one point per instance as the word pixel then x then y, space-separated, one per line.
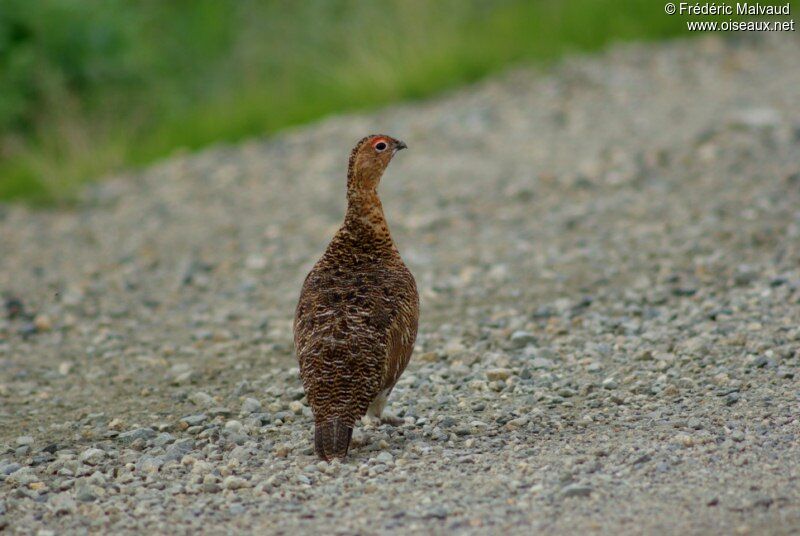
pixel 371 421
pixel 392 420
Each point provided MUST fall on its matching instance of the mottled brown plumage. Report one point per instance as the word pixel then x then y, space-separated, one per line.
pixel 356 320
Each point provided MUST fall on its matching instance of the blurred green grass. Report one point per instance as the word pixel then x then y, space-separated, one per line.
pixel 94 86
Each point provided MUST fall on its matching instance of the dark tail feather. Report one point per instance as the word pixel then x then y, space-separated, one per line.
pixel 332 439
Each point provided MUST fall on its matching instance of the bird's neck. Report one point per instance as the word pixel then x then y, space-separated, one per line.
pixel 365 214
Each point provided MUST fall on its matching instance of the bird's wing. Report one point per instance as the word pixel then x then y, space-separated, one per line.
pixel 402 334
pixel 301 325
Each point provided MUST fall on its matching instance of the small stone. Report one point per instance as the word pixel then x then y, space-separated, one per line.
pixel 250 405
pixel 737 435
pixel 242 387
pixel 462 431
pixel 695 424
pixel 23 477
pixel 201 399
pixel 72 296
pixel 454 347
pixel 610 384
pixel 27 330
pixel 219 411
pixel 139 433
pixel 85 494
pixel 203 335
pixel 211 483
pixel 180 373
pixel 784 372
pixel 149 464
pixel 9 468
pixel 519 422
pixel 296 407
pixel 428 357
pixel 178 450
pixel 97 479
pixel 62 504
pixel 255 262
pixel 521 339
pixel 478 385
pixel 541 363
pixel 233 426
pixel 43 323
pixel 163 439
pixel 194 420
pixel 498 374
pixel 116 424
pixel 241 454
pixel 576 490
pixel 670 390
pixel 25 441
pixel 594 367
pixel 384 457
pixel 234 482
pixel 211 487
pixel 92 456
pixel 684 440
pixel 755 118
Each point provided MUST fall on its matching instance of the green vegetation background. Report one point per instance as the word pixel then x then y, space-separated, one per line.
pixel 92 86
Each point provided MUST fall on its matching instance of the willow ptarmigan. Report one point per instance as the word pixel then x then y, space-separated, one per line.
pixel 356 321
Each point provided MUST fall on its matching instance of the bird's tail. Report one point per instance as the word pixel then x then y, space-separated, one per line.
pixel 332 439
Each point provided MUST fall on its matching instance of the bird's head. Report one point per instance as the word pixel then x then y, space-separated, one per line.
pixel 369 159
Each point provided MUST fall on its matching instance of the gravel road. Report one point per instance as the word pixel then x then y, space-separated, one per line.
pixel 608 258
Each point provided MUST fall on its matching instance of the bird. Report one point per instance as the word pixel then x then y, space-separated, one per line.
pixel 356 319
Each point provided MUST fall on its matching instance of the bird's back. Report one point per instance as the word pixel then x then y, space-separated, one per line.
pixel 355 326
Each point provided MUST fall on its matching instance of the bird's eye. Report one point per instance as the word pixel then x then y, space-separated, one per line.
pixel 380 146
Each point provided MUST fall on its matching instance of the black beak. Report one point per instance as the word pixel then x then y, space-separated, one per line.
pixel 400 145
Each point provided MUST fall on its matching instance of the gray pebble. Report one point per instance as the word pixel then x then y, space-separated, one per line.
pixel 92 456
pixel 250 405
pixel 195 420
pixel 521 339
pixel 201 399
pixel 25 441
pixel 384 457
pixel 149 464
pixel 163 438
pixel 9 468
pixel 576 490
pixel 234 482
pixel 542 363
pixel 139 433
